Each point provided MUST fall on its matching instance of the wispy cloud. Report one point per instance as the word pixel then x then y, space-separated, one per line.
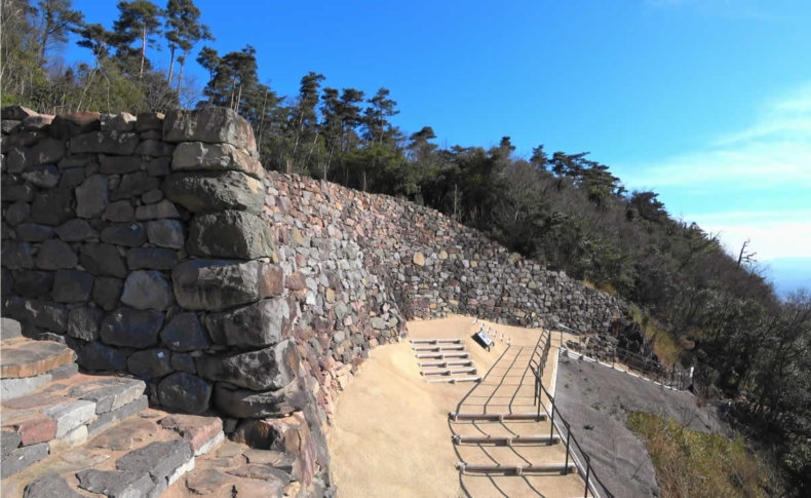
pixel 750 184
pixel 770 234
pixel 774 151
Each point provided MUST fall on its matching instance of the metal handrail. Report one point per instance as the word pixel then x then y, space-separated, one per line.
pixel 674 377
pixel 592 480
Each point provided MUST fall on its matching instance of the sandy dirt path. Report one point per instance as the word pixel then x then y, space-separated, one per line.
pixel 391 437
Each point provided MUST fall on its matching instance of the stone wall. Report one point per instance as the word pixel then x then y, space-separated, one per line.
pixel 433 266
pixel 159 246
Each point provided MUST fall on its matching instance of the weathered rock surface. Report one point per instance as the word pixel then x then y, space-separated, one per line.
pixel 230 234
pixel 214 192
pixel 257 325
pixel 267 369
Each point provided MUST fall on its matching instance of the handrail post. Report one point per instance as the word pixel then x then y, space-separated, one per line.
pixel 568 436
pixel 588 471
pixel 552 418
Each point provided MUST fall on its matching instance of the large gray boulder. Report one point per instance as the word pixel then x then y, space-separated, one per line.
pixel 147 289
pixel 230 234
pixel 214 192
pixel 205 284
pixel 244 403
pixel 267 369
pixel 256 325
pixel 132 328
pixel 199 156
pixel 214 125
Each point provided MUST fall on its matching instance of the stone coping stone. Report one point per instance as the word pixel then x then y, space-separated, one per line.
pixel 26 358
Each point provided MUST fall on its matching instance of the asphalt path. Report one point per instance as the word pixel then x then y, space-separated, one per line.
pixel 595 399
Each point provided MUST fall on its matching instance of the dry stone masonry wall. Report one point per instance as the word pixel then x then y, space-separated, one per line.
pixel 159 246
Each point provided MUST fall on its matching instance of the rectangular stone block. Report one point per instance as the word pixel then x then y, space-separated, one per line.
pixel 22 458
pixel 69 416
pixel 15 388
pixel 104 420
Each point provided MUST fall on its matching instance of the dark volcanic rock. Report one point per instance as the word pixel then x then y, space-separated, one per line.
pixel 103 259
pixel 214 192
pixel 184 392
pixel 96 357
pixel 132 328
pixel 147 289
pixel 32 283
pixel 184 332
pixel 257 325
pixel 84 323
pixel 166 233
pixel 151 363
pixel 56 255
pixel 106 292
pixel 242 403
pixel 230 234
pixel 72 286
pixel 206 284
pixel 124 234
pixel 52 208
pixel 267 369
pixel 151 258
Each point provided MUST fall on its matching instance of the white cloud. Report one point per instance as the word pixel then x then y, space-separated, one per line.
pixel 774 151
pixel 759 175
pixel 771 234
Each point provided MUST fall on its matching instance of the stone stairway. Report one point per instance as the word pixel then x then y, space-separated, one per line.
pixel 67 434
pixel 505 444
pixel 444 360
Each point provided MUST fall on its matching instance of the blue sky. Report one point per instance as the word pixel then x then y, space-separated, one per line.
pixel 707 102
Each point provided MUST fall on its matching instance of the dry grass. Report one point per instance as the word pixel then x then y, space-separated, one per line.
pixel 695 464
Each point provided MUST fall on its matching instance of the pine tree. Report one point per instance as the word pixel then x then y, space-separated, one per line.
pixel 138 20
pixel 183 32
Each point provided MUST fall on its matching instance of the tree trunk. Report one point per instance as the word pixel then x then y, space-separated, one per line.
pixel 143 52
pixel 180 74
pixel 171 66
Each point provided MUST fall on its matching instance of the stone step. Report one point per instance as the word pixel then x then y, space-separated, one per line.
pixel 436 341
pixel 507 440
pixel 27 365
pixel 495 417
pixel 454 380
pixel 438 349
pixel 441 356
pixel 449 371
pixel 517 470
pixel 446 364
pixel 64 414
pixel 235 469
pixel 140 456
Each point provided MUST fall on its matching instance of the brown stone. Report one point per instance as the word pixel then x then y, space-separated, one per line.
pixel 271 282
pixel 196 429
pixel 35 428
pixel 32 358
pixel 208 482
pixel 126 436
pixel 419 259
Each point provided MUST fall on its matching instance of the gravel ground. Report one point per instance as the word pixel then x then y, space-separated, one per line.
pixel 594 399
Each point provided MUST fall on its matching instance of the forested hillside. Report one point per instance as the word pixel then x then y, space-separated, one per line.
pixel 703 307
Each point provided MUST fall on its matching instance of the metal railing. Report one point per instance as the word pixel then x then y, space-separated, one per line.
pixel 674 377
pixel 581 460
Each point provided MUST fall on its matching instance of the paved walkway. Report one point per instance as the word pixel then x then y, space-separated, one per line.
pixel 518 454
